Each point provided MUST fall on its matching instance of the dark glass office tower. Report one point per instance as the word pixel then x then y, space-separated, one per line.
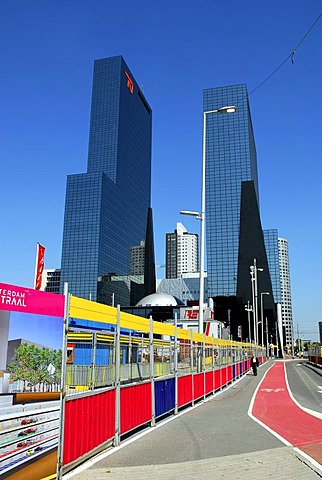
pixel 234 236
pixel 230 159
pixel 107 208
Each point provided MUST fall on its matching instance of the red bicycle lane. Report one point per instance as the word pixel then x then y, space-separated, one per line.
pixel 274 407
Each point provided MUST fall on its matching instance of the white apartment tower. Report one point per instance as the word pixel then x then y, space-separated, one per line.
pixel 286 300
pixel 182 252
pixel 51 280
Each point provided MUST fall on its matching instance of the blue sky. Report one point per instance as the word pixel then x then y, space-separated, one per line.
pixel 175 49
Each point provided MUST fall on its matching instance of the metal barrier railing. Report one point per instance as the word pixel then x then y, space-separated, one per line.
pixel 95 356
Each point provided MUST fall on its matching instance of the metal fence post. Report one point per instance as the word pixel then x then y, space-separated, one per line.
pixel 191 368
pixel 117 378
pixel 94 345
pixel 63 385
pixel 221 353
pixel 213 363
pixel 204 364
pixel 151 364
pixel 175 364
pixel 130 374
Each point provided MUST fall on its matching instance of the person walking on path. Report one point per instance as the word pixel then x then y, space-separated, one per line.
pixel 255 364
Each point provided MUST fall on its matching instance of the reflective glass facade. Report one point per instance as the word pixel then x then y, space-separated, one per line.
pixel 186 288
pixel 106 208
pixel 230 159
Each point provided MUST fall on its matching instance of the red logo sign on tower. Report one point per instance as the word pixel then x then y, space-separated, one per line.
pixel 129 84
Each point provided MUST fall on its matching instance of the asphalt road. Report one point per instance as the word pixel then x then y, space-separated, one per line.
pixel 305 382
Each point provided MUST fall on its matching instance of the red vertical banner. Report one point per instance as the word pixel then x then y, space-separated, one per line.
pixel 40 263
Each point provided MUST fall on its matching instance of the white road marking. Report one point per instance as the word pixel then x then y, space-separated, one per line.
pixel 272 389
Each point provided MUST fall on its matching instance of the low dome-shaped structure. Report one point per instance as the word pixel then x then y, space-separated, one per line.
pixel 160 300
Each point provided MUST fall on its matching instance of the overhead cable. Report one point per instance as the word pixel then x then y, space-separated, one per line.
pixel 290 56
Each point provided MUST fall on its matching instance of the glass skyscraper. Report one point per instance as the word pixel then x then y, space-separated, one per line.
pixel 234 236
pixel 230 160
pixel 106 209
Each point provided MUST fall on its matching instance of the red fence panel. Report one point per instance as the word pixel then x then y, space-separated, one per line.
pixel 209 382
pixel 89 422
pixel 184 390
pixel 136 406
pixel 223 376
pixel 198 385
pixel 218 381
pixel 229 373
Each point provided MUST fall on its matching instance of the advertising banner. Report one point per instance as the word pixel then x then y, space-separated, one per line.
pixel 31 340
pixel 40 264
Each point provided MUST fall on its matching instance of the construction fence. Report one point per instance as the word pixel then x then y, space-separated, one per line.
pixel 128 372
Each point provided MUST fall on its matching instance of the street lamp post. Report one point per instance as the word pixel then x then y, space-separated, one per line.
pixel 253 298
pixel 201 215
pixel 253 273
pixel 262 315
pixel 256 269
pixel 249 309
pixel 266 325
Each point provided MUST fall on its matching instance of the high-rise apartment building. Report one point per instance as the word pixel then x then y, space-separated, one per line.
pixel 278 260
pixel 272 251
pixel 234 237
pixel 137 259
pixel 181 252
pixel 107 208
pixel 51 280
pixel 286 297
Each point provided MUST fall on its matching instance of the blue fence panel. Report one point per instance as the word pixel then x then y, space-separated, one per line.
pixel 234 371
pixel 241 368
pixel 164 396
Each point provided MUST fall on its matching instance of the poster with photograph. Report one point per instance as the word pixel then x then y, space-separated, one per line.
pixel 31 341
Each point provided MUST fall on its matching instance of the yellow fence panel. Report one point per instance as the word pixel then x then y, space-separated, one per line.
pixel 88 310
pixel 97 312
pixel 160 328
pixel 134 322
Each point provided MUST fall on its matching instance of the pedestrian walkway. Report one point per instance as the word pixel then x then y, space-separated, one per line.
pixel 275 464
